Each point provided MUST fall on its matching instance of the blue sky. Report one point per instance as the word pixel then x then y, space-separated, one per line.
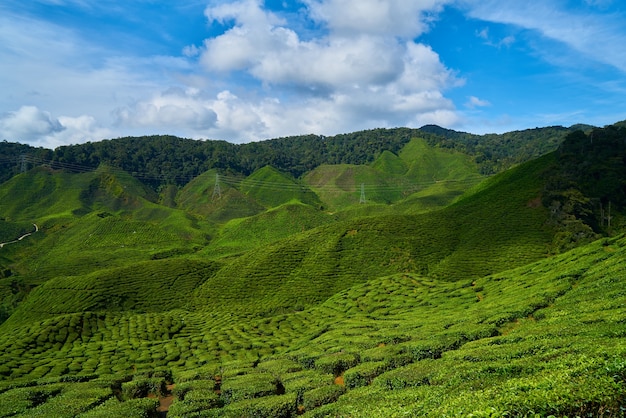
pixel 73 71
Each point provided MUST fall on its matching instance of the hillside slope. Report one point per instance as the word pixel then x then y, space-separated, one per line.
pixel 283 309
pixel 418 170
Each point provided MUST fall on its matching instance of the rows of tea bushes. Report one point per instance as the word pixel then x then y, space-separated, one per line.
pixel 545 338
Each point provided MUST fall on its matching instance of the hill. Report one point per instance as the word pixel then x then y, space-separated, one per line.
pixel 446 293
pixel 164 160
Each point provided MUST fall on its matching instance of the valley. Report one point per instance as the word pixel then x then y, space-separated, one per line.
pixel 423 279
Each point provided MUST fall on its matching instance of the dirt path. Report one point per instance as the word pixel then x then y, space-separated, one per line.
pixel 2 244
pixel 166 400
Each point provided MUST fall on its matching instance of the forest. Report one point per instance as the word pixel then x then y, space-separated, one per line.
pixel 160 160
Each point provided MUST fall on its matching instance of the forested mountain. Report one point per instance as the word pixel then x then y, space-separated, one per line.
pixel 162 159
pixel 375 274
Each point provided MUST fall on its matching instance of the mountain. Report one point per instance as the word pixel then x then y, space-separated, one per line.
pixel 162 160
pixel 251 290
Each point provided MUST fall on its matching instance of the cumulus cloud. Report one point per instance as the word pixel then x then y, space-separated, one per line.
pixel 396 18
pixel 28 123
pixel 344 65
pixel 173 109
pixel 32 125
pixel 275 54
pixel 364 71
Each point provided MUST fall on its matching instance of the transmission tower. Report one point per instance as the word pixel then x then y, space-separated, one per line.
pixel 23 164
pixel 217 191
pixel 362 199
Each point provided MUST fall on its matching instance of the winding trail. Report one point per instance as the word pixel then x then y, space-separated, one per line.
pixel 2 244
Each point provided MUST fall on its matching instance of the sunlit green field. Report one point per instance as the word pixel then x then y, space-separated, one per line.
pixel 447 300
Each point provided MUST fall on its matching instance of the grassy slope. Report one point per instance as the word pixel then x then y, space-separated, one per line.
pixel 272 188
pixel 87 221
pixel 543 338
pixel 198 196
pixel 243 234
pixel 390 303
pixel 307 268
pixel 421 177
pixel 40 191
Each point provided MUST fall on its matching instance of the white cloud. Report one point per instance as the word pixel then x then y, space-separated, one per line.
pixel 597 36
pixel 261 78
pixel 174 109
pixel 407 19
pixel 474 102
pixel 354 76
pixel 483 33
pixel 50 67
pixel 29 124
pixel 275 54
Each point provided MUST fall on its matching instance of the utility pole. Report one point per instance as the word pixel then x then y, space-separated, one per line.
pixel 362 199
pixel 217 191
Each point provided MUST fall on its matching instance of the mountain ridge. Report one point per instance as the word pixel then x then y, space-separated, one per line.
pixel 445 292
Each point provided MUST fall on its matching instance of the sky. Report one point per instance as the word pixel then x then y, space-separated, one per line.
pixel 73 71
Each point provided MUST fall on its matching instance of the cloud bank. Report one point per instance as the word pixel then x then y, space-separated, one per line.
pixel 363 71
pixel 309 66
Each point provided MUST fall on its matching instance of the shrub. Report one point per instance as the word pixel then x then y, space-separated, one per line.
pixel 363 374
pixel 337 363
pixel 143 387
pixel 253 385
pixel 136 408
pixel 322 396
pixel 303 381
pixel 416 374
pixel 195 401
pixel 279 406
pixel 181 389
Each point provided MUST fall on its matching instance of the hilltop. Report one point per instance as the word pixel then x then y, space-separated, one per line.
pixel 162 160
pixel 382 273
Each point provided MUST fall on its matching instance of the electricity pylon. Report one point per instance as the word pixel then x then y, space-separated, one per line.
pixel 217 191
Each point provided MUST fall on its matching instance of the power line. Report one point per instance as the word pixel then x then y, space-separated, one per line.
pixel 402 186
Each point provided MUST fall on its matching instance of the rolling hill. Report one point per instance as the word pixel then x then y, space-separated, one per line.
pixel 445 293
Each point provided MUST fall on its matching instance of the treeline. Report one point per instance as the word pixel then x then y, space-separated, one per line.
pixel 497 152
pixel 586 188
pixel 162 159
pixel 14 157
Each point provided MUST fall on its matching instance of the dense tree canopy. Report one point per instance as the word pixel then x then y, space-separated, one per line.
pixel 586 188
pixel 162 159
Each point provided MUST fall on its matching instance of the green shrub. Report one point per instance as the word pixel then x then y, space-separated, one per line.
pixel 181 389
pixel 337 363
pixel 135 408
pixel 280 366
pixel 20 400
pixel 74 400
pixel 322 396
pixel 279 406
pixel 305 380
pixel 140 388
pixel 253 385
pixel 195 401
pixel 363 374
pixel 412 375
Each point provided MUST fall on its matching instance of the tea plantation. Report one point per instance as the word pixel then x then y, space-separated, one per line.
pixel 444 294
